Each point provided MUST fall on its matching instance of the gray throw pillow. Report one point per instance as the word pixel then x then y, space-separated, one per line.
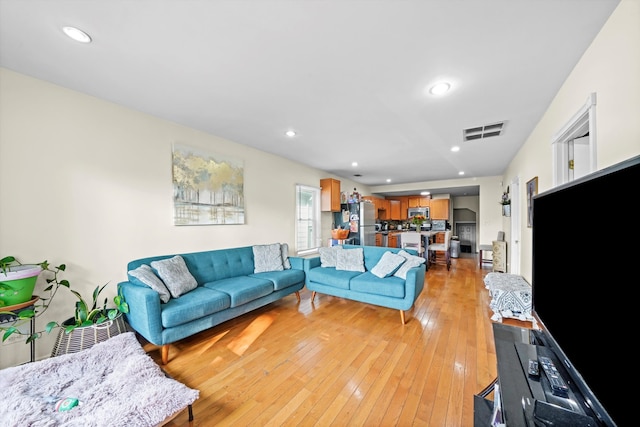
pixel 328 255
pixel 387 265
pixel 146 276
pixel 267 258
pixel 175 275
pixel 350 260
pixel 286 264
pixel 412 261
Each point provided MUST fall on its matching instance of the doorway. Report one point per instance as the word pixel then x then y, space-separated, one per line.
pixel 466 232
pixel 574 146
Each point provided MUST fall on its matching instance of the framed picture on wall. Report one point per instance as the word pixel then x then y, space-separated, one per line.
pixel 532 190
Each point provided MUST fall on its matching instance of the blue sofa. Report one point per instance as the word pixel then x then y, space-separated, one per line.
pixel 391 292
pixel 227 287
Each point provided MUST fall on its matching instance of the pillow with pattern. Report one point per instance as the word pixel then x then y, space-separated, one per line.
pixel 175 275
pixel 145 275
pixel 286 264
pixel 328 255
pixel 350 260
pixel 411 261
pixel 267 258
pixel 388 264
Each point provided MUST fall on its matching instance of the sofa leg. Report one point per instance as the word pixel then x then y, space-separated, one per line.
pixel 402 317
pixel 165 354
pixel 313 295
pixel 298 295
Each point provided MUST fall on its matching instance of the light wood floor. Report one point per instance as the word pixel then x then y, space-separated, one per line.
pixel 344 363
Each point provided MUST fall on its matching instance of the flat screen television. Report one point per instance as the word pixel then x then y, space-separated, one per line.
pixel 585 273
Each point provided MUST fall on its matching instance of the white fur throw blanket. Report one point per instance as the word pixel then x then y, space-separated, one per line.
pixel 116 382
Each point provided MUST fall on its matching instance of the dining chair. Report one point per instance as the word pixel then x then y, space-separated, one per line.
pixel 440 253
pixel 412 240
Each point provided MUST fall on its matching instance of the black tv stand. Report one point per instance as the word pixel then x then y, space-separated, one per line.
pixel 527 400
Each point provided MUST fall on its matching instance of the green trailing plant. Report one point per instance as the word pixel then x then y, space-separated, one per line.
pixel 505 200
pixel 85 314
pixel 94 314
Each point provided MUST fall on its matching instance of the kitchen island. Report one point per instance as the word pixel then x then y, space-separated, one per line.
pixel 393 238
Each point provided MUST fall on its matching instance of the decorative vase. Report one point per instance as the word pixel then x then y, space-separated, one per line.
pixel 17 284
pixel 84 337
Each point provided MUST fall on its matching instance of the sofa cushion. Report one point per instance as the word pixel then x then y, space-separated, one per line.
pixel 350 260
pixel 194 305
pixel 267 258
pixel 332 277
pixel 388 264
pixel 328 255
pixel 175 275
pixel 412 261
pixel 144 275
pixel 369 283
pixel 282 279
pixel 286 264
pixel 242 289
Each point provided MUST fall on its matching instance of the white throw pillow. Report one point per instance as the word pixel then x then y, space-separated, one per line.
pixel 147 277
pixel 328 255
pixel 388 264
pixel 286 264
pixel 267 258
pixel 350 260
pixel 175 275
pixel 412 261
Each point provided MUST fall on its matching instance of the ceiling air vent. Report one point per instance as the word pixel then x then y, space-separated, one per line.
pixel 482 132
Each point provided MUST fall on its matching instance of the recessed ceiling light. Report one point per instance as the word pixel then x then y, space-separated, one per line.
pixel 77 34
pixel 461 173
pixel 440 88
pixel 455 148
pixel 354 164
pixel 388 179
pixel 290 133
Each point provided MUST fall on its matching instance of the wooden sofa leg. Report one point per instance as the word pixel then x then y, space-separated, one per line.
pixel 313 295
pixel 298 295
pixel 402 316
pixel 165 354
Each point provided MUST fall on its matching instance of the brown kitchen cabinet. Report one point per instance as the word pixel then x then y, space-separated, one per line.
pixel 378 239
pixel 419 202
pixel 403 207
pixel 380 206
pixel 392 240
pixel 329 195
pixel 439 209
pixel 395 209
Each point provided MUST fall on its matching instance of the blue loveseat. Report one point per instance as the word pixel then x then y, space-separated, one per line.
pixel 392 291
pixel 227 287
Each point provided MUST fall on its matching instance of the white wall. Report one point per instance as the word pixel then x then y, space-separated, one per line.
pixel 611 68
pixel 88 183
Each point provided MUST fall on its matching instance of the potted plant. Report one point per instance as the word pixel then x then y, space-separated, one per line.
pixel 17 281
pixel 91 323
pixel 95 314
pixel 418 220
pixel 505 201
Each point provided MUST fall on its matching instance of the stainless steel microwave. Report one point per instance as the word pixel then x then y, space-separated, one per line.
pixel 418 211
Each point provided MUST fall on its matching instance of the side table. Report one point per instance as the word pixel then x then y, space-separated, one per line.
pixel 11 312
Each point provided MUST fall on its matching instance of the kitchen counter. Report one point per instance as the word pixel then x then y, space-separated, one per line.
pixel 396 235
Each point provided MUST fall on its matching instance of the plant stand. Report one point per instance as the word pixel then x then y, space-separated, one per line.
pixel 16 309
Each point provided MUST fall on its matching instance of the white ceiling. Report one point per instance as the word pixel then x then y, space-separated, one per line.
pixel 350 76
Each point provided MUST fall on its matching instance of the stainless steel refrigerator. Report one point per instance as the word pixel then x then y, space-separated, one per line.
pixel 360 218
